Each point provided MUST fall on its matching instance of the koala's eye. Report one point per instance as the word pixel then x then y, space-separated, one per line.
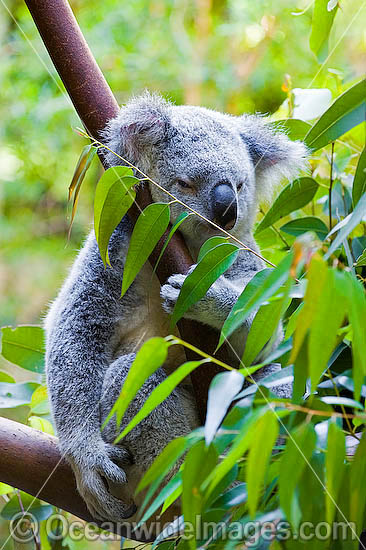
pixel 183 184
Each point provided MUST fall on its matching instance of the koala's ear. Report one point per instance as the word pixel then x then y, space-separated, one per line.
pixel 139 126
pixel 273 154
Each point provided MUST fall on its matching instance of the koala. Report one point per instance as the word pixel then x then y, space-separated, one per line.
pixel 218 164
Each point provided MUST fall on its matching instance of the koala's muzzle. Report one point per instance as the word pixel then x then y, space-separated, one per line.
pixel 225 207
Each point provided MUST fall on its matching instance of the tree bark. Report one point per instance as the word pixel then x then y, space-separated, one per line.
pixel 30 460
pixel 95 105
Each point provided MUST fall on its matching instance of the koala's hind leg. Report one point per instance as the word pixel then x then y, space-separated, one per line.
pixel 173 418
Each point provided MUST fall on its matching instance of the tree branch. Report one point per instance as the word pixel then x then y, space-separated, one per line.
pixel 95 105
pixel 30 460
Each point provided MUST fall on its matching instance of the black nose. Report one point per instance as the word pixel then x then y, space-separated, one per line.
pixel 225 208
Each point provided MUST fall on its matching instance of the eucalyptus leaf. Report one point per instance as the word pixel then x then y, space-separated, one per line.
pixel 213 264
pixel 209 245
pixel 148 359
pixel 361 260
pixel 113 197
pixel 264 329
pixel 357 215
pixel 321 25
pixel 33 505
pixel 178 222
pixel 13 395
pixel 347 111
pixel 359 181
pixel 303 225
pixel 294 196
pixel 299 448
pixel 160 393
pixel 223 389
pixel 24 346
pixel 274 279
pixel 329 314
pixel 149 228
pixel 259 455
pixel 294 127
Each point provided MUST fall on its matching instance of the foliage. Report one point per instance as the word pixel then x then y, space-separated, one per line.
pixel 315 234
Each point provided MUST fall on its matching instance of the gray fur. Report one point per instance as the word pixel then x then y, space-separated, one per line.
pixel 92 334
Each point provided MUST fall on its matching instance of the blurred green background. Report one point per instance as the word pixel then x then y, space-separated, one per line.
pixel 230 55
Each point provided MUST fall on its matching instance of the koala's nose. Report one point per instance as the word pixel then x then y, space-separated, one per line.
pixel 225 208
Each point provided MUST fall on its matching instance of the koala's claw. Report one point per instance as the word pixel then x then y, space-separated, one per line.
pixel 119 455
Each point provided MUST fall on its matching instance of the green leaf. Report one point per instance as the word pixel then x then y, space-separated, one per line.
pixel 294 196
pixel 346 401
pixel 302 225
pixel 39 403
pixel 361 260
pixel 357 316
pixel 5 377
pixel 209 245
pixel 233 497
pixel 359 181
pixel 148 359
pixel 353 220
pixel 299 448
pixel 294 127
pixel 113 197
pixel 278 378
pixel 41 424
pixel 197 283
pixel 357 486
pixel 173 487
pixel 85 159
pixel 334 468
pixel 24 346
pixel 199 462
pixel 269 282
pixel 174 228
pixel 148 229
pixel 239 446
pixel 320 28
pixel 13 395
pixel 5 489
pixel 223 388
pixel 317 276
pixel 347 111
pixel 330 312
pixel 264 328
pixel 30 504
pixel 259 455
pixel 161 392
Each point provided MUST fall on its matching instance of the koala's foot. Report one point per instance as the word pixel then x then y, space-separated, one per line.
pixel 95 471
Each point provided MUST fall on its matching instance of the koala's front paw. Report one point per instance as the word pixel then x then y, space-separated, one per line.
pixel 170 291
pixel 95 471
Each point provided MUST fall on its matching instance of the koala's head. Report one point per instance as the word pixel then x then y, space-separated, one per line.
pixel 218 164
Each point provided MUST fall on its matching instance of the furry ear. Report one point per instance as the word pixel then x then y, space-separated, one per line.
pixel 139 126
pixel 273 154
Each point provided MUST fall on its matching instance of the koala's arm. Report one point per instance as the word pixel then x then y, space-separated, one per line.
pixel 79 329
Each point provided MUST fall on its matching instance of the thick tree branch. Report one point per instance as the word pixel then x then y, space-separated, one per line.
pixel 95 105
pixel 29 459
